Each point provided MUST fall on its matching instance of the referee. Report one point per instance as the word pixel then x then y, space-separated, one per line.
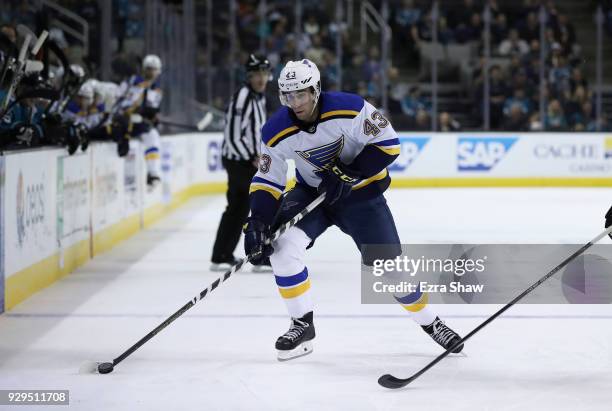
pixel 245 117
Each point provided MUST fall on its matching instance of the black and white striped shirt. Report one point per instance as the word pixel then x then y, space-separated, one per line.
pixel 245 117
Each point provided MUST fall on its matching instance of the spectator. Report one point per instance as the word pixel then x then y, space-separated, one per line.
pixel 316 50
pixel 535 124
pixel 559 75
pixel 498 93
pixel 372 65
pixel 573 102
pixel 515 66
pixel 513 44
pixel 446 123
pixel 499 29
pixel 495 8
pixel 516 119
pixel 530 28
pixel 329 70
pixel 462 13
pixel 517 100
pixel 555 117
pixel 445 33
pixel 578 79
pixel 407 16
pixel 565 28
pixel 422 121
pixel 471 32
pixel 311 25
pixel 423 31
pixel 583 119
pixel 413 102
pixel 521 81
pixel 534 52
pixel 403 23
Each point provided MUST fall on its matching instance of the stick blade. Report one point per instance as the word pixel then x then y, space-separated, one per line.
pixel 95 367
pixel 391 382
pixel 205 122
pixel 89 367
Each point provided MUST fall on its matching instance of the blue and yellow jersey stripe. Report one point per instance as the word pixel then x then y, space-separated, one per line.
pixel 334 114
pixel 258 183
pixel 380 176
pixel 390 147
pixel 281 135
pixel 152 153
pixel 294 285
pixel 413 302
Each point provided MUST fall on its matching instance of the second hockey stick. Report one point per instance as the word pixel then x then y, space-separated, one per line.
pixel 107 367
pixel 389 381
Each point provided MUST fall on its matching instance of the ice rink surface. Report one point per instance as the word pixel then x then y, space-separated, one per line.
pixel 220 355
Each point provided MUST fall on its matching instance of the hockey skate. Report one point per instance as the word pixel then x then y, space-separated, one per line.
pixel 297 341
pixel 443 335
pixel 152 181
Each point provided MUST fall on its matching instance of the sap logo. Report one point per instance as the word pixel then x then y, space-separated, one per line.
pixel 482 154
pixel 410 148
pixel 567 151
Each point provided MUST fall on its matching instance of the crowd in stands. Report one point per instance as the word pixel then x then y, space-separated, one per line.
pixel 514 72
pixel 515 44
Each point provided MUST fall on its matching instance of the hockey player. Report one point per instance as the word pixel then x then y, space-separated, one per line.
pixel 342 146
pixel 83 109
pixel 141 101
pixel 246 115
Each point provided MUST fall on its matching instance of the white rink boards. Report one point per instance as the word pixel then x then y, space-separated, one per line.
pixel 220 355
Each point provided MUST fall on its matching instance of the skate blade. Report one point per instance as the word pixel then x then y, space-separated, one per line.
pixel 301 350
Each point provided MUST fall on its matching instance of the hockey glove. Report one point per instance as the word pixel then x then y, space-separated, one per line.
pixel 255 235
pixel 609 220
pixel 337 182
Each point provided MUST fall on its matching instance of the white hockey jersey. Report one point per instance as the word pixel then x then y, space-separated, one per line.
pixel 346 125
pixel 138 95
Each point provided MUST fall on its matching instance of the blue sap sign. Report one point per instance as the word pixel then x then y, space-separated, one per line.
pixel 482 154
pixel 410 148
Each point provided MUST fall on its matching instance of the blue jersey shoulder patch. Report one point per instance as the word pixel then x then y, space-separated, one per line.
pixel 340 102
pixel 278 127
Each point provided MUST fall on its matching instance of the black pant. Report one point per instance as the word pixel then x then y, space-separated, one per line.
pixel 239 175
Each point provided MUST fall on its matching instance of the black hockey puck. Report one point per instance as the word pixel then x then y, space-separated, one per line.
pixel 105 368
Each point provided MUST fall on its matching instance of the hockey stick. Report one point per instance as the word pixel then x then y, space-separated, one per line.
pixel 107 367
pixel 389 381
pixel 200 126
pixel 19 68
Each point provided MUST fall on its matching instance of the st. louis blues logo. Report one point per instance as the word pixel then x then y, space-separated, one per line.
pixel 322 157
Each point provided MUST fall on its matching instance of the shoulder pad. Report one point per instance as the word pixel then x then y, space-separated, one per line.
pixel 278 127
